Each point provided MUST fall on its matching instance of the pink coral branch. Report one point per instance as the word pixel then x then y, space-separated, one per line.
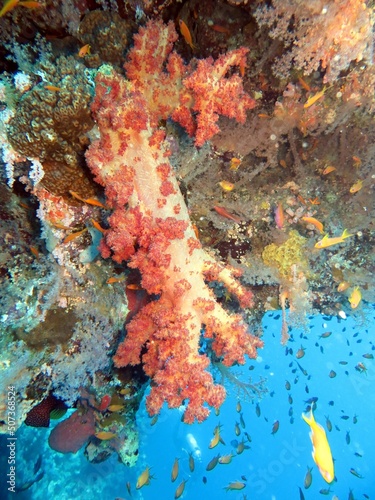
pixel 150 226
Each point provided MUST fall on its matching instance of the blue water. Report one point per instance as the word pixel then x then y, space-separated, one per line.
pixel 275 465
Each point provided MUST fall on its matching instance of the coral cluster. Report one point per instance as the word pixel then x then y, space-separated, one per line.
pixel 150 225
pixel 319 33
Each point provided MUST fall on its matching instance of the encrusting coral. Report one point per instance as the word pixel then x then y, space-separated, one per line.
pixel 150 225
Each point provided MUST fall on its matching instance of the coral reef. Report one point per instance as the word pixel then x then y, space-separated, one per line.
pixel 282 91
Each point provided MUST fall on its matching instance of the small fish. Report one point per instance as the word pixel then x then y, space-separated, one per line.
pixel 343 362
pixel 357 162
pixel 312 100
pixel 332 374
pixel 115 408
pixel 347 437
pixel 308 478
pixel 98 226
pixel 242 421
pixel 275 427
pixel 328 242
pixel 355 298
pixel 325 491
pixel 328 424
pixel 357 186
pixel 300 353
pixel 358 454
pixel 241 447
pixel 307 390
pixel 321 450
pixel 355 419
pixel 180 489
pixel 105 436
pixel 325 335
pixel 301 495
pixel 73 236
pixel 314 222
pixel 8 6
pixel 279 216
pixel 213 463
pixel 257 410
pixel 226 185
pixel 128 487
pixel 304 84
pixel 237 429
pixel 235 486
pixel 114 279
pixel 35 251
pixel 345 417
pixel 204 479
pixel 225 459
pixel 361 368
pixel 185 32
pixel 355 473
pixel 85 50
pixel 290 399
pixel 53 88
pixel 235 163
pixel 302 369
pixel 368 355
pixel 238 407
pixel 29 4
pixel 328 170
pixel 191 462
pixel 216 439
pixel 344 285
pixel 175 469
pixel 287 385
pixel 144 478
pixel 224 213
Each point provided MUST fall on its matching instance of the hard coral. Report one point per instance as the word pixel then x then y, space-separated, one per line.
pixel 49 123
pixel 150 224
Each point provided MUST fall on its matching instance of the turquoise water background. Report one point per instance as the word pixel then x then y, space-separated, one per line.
pixel 274 466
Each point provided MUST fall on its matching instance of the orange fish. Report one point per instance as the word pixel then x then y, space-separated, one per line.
pixel 224 213
pixel 235 163
pixel 186 33
pixel 30 5
pixel 89 201
pixel 304 85
pixel 34 251
pixel 357 162
pixel 52 88
pixel 97 226
pixel 105 436
pixel 83 51
pixel 8 6
pixel 115 280
pixel 328 170
pixel 73 236
pixel 314 222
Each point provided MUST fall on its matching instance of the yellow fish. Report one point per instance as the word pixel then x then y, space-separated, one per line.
pixel 312 100
pixel 355 297
pixel 327 242
pixel 321 450
pixel 357 186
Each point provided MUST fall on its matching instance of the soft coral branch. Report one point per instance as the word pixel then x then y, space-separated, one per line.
pixel 150 226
